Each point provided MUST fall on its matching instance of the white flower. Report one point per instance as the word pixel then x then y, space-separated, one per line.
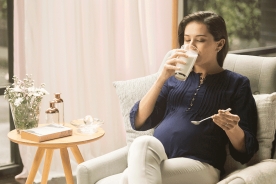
pixel 36 94
pixel 31 91
pixel 24 90
pixel 18 101
pixel 16 89
pixel 43 91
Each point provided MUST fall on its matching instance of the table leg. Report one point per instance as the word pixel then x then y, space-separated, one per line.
pixel 66 165
pixel 37 159
pixel 77 154
pixel 47 165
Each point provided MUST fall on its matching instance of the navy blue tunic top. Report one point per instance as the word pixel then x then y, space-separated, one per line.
pixel 181 102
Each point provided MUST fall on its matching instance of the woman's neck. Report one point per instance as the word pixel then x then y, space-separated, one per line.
pixel 209 70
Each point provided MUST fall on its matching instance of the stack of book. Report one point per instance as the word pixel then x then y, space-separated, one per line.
pixel 45 133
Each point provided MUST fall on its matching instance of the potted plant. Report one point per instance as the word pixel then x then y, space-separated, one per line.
pixel 25 99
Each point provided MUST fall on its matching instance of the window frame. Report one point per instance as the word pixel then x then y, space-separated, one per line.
pixel 259 51
pixel 16 165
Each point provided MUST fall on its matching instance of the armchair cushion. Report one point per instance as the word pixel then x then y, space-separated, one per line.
pixel 129 92
pixel 261 71
pixel 266 106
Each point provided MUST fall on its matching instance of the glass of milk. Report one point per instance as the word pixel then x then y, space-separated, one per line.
pixel 185 69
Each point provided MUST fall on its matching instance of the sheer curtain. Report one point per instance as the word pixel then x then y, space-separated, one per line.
pixel 78 48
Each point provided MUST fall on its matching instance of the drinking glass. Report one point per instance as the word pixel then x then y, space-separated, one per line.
pixel 185 69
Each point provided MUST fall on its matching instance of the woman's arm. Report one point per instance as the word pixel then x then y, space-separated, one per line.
pixel 236 137
pixel 147 103
pixel 241 126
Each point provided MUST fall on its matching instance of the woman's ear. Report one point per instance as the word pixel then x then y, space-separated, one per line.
pixel 220 44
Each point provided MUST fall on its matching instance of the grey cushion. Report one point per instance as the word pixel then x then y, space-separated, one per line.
pixel 266 106
pixel 261 71
pixel 129 92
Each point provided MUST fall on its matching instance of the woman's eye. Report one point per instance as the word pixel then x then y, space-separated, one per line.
pixel 195 40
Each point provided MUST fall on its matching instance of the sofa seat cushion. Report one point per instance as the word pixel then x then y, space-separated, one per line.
pixel 260 173
pixel 114 179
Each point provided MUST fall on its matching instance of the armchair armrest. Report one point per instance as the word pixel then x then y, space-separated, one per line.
pixel 263 172
pixel 89 172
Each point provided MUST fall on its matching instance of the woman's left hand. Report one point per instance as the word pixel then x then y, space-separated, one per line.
pixel 226 120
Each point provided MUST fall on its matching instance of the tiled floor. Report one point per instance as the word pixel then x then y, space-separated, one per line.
pixel 10 180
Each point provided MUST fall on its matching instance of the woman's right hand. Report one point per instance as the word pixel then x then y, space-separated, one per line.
pixel 170 65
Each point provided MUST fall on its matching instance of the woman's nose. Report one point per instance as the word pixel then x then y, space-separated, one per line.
pixel 192 46
pixel 192 43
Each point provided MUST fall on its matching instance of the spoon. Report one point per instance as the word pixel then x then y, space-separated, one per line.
pixel 198 122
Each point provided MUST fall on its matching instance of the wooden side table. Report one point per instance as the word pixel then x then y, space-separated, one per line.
pixel 62 144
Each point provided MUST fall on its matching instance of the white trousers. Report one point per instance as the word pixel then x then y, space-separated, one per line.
pixel 148 164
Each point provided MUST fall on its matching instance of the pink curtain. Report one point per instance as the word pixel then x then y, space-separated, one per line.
pixel 78 48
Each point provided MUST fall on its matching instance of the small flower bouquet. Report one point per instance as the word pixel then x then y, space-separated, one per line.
pixel 25 99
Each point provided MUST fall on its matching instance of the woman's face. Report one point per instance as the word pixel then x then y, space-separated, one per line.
pixel 197 34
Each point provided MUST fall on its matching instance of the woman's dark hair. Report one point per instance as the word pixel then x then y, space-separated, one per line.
pixel 215 25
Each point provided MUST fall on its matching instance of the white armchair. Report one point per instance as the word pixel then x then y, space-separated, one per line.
pixel 108 168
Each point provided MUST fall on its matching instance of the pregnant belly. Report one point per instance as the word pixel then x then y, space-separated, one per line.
pixel 177 136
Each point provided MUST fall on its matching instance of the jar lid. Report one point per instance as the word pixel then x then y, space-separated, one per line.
pixel 52 109
pixel 57 98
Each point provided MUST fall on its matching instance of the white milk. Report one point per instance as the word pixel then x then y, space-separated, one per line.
pixel 185 70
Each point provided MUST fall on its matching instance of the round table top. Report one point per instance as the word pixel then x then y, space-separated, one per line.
pixel 75 139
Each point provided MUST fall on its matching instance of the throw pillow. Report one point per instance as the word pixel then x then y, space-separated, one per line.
pixel 129 92
pixel 266 107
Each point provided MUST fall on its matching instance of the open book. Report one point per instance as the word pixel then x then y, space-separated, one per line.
pixel 47 132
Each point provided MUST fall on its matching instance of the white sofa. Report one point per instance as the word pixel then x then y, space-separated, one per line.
pixel 261 169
